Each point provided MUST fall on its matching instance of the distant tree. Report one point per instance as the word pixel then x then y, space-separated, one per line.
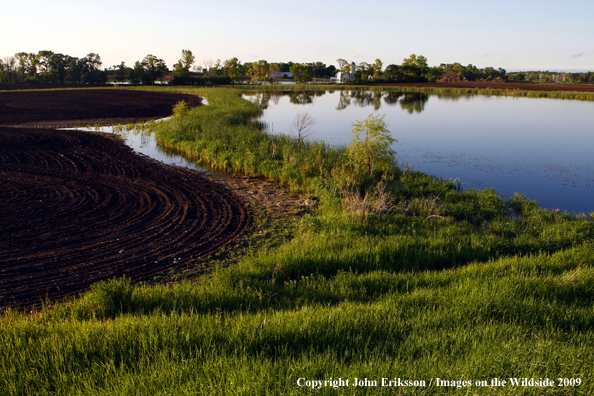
pixel 415 67
pixel 136 73
pixel 122 72
pixel 434 74
pixel 260 71
pixel 27 65
pixel 302 73
pixel 208 63
pixel 43 61
pixel 363 72
pixel 153 68
pixel 331 71
pixel 8 70
pixel 320 70
pixel 59 66
pixel 377 69
pixel 233 69
pixel 517 76
pixel 491 73
pixel 275 73
pixel 215 70
pixel 343 66
pixel 183 65
pixel 286 67
pixel 502 73
pixel 90 66
pixel 394 73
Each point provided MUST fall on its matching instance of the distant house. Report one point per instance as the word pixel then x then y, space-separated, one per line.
pixel 281 74
pixel 342 77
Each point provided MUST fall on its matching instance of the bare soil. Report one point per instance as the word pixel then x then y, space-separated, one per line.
pixel 79 207
pixel 82 107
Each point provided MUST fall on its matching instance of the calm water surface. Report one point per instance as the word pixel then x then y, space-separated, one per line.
pixel 543 148
pixel 144 142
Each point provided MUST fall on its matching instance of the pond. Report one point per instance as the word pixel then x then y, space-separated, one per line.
pixel 542 148
pixel 144 142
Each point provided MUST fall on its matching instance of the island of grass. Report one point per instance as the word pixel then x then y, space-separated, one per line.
pixel 393 281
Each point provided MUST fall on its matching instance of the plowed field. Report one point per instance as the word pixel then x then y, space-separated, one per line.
pixel 78 207
pixel 76 107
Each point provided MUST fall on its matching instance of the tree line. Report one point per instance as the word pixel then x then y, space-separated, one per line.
pixel 47 67
pixel 552 77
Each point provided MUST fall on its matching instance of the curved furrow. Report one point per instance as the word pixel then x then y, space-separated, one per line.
pixel 78 208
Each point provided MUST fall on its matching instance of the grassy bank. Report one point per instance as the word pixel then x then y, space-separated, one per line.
pixel 440 284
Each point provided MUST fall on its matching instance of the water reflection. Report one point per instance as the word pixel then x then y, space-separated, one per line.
pixel 412 102
pixel 144 142
pixel 538 147
pixel 303 97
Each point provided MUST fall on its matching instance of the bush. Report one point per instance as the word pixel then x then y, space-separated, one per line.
pixel 370 150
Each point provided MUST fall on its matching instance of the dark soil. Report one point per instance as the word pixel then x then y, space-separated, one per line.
pixel 79 207
pixel 80 107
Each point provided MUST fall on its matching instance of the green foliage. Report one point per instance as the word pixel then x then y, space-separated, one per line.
pixel 150 69
pixel 182 67
pixel 122 72
pixel 260 71
pixel 302 73
pixel 371 151
pixel 233 69
pixel 180 109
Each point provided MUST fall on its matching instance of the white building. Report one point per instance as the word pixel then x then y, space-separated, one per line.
pixel 276 75
pixel 343 77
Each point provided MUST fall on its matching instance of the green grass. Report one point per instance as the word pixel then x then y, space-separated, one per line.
pixel 473 294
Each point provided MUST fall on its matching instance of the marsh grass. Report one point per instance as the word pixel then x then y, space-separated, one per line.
pixel 442 284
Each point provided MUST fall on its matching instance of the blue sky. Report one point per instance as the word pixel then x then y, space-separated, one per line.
pixel 515 35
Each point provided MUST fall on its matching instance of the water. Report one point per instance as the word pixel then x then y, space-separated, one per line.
pixel 144 142
pixel 538 147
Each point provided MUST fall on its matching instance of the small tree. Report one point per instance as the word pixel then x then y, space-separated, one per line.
pixel 370 150
pixel 182 67
pixel 302 124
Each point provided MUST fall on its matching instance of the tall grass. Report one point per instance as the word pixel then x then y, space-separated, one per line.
pixel 443 285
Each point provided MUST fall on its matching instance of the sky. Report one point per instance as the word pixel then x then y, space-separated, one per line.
pixel 516 35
